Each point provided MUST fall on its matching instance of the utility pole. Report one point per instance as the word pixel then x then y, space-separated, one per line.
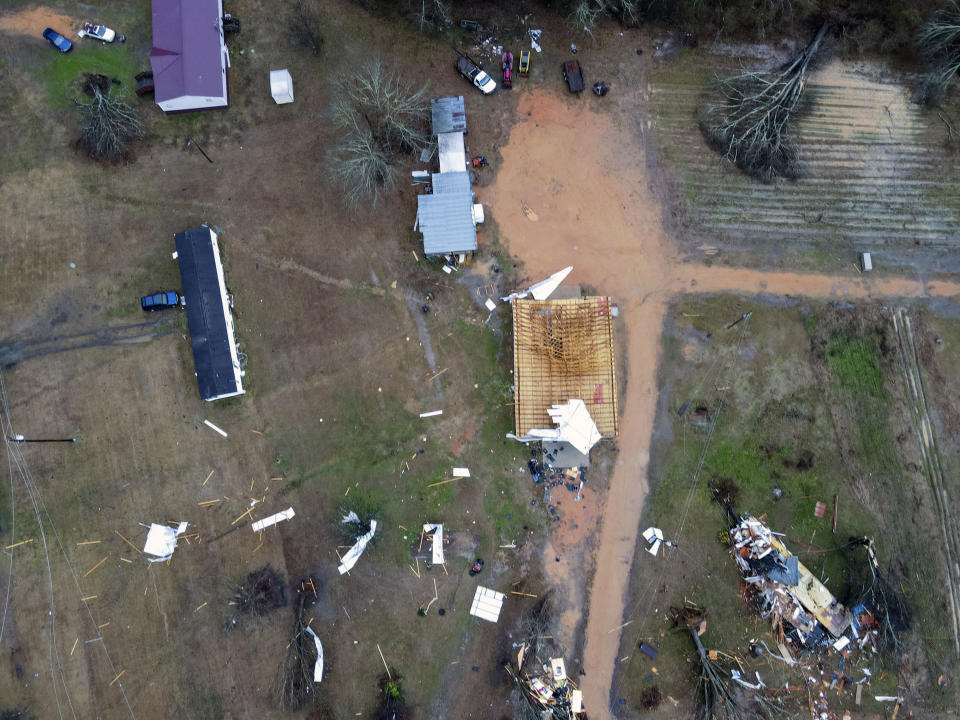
pixel 22 439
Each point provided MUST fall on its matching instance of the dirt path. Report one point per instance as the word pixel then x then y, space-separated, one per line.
pixel 31 21
pixel 595 210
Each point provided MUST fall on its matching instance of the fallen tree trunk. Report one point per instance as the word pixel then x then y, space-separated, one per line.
pixel 749 124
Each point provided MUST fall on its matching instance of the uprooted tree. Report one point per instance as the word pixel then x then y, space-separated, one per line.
pixel 585 14
pixel 392 703
pixel 260 592
pixel 383 117
pixel 884 606
pixel 295 687
pixel 110 126
pixel 938 43
pixel 750 121
pixel 716 697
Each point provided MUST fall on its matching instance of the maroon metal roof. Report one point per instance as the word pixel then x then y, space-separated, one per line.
pixel 186 57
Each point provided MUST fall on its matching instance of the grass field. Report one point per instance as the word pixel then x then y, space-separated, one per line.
pixel 808 399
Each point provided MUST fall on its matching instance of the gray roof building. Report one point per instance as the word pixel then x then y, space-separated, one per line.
pixel 448 115
pixel 446 217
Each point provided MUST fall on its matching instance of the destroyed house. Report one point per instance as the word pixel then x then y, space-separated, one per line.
pixel 189 56
pixel 783 589
pixel 563 350
pixel 209 318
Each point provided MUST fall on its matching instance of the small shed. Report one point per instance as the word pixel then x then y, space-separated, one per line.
pixel 209 319
pixel 448 115
pixel 281 86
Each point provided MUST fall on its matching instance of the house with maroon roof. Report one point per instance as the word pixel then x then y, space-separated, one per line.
pixel 189 57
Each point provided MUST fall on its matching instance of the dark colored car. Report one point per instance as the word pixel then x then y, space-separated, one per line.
pixel 57 40
pixel 573 74
pixel 159 301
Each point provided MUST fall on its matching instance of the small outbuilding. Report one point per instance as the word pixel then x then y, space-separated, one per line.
pixel 209 317
pixel 281 86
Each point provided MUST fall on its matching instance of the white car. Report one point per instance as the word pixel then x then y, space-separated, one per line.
pixel 100 32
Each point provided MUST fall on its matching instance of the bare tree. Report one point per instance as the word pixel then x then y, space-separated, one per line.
pixel 750 123
pixel 432 13
pixel 383 118
pixel 109 127
pixel 939 45
pixel 304 26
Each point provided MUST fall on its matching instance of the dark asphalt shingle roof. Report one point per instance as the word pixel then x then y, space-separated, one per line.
pixel 206 314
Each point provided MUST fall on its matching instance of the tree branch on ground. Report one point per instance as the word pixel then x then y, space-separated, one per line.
pixel 938 43
pixel 304 26
pixel 294 685
pixel 109 126
pixel 383 117
pixel 750 122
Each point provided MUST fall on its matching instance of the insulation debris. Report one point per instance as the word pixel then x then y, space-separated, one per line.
pixel 272 520
pixel 162 541
pixel 318 665
pixel 353 554
pixel 437 530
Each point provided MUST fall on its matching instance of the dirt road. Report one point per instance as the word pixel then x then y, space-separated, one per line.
pixel 595 210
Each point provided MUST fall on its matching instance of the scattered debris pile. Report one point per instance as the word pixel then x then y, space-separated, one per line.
pixel 799 606
pixel 546 691
pixel 572 479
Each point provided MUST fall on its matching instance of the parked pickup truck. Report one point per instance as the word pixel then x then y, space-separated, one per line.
pixel 472 72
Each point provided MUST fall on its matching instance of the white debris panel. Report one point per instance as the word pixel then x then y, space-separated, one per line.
pixel 654 536
pixel 437 530
pixel 487 604
pixel 353 554
pixel 543 289
pixel 574 426
pixel 272 520
pixel 162 541
pixel 318 665
pixel 461 472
